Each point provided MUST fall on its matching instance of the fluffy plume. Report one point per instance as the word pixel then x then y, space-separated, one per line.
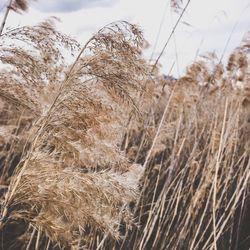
pixel 19 5
pixel 75 132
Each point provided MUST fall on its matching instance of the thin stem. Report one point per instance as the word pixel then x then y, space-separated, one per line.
pixel 170 36
pixel 5 16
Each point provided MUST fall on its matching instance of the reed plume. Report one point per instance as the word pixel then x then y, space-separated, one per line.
pixel 75 134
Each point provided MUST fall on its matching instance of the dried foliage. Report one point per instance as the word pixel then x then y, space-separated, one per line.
pixel 77 137
pixel 195 147
pixel 19 5
pixel 176 4
pixel 73 131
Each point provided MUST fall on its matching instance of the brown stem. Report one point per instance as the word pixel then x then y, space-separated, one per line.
pixel 5 16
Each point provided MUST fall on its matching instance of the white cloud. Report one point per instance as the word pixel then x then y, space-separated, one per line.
pixel 212 22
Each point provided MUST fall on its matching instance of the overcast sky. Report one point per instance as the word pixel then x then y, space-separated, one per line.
pixel 206 25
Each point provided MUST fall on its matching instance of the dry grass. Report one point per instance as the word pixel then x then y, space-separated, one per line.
pixel 74 132
pixel 102 153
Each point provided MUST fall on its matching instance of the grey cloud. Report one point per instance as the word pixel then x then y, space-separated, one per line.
pixel 70 5
pixel 3 3
pixel 64 5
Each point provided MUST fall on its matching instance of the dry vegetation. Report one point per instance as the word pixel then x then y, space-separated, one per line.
pixel 103 153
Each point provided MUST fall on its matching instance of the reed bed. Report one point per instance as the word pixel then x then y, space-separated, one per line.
pixel 102 152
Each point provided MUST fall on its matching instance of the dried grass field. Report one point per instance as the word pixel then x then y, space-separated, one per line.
pixel 106 153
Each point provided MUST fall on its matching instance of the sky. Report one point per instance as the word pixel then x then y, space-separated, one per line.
pixel 206 25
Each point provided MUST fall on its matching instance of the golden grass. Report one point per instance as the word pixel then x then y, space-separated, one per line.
pixel 104 154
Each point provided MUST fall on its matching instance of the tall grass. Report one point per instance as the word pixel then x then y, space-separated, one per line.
pixel 103 153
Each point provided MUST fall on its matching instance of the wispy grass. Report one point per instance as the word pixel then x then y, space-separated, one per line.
pixel 103 153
